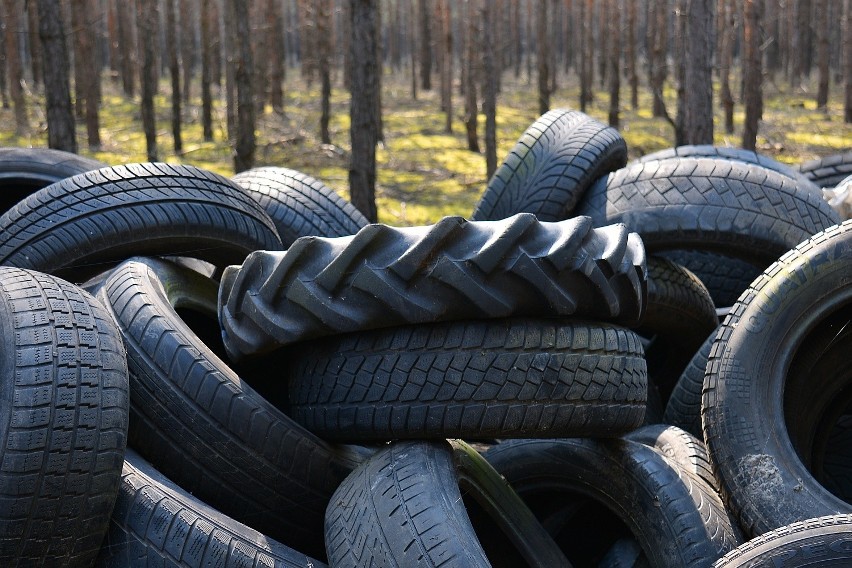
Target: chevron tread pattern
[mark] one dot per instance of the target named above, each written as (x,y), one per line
(828,171)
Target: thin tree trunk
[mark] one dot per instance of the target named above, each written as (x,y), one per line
(260,39)
(695,124)
(753,94)
(127,50)
(245,144)
(276,56)
(412,52)
(15,67)
(57,90)
(489,91)
(632,74)
(4,90)
(36,58)
(81,38)
(146,19)
(207,55)
(517,39)
(614,53)
(727,15)
(227,33)
(588,55)
(188,21)
(847,57)
(658,64)
(425,45)
(472,47)
(363,128)
(174,72)
(446,58)
(323,14)
(543,56)
(822,32)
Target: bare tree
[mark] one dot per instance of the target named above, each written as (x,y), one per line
(36,58)
(822,33)
(57,90)
(630,54)
(695,92)
(727,35)
(364,90)
(425,45)
(657,64)
(15,66)
(207,22)
(446,62)
(4,90)
(470,75)
(147,17)
(276,56)
(613,33)
(753,91)
(543,57)
(323,28)
(127,49)
(245,142)
(174,72)
(847,57)
(489,89)
(188,54)
(587,55)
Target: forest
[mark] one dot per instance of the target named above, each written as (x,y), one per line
(406,106)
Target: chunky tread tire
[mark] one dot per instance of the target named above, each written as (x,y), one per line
(742,210)
(63,420)
(725,277)
(750,399)
(404,507)
(75,227)
(205,427)
(828,171)
(472,380)
(23,171)
(638,485)
(453,270)
(551,166)
(155,523)
(684,407)
(822,541)
(300,205)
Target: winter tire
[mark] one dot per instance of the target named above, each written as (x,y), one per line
(828,171)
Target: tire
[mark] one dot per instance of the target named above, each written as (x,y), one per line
(590,494)
(823,541)
(556,159)
(155,523)
(741,210)
(23,171)
(473,380)
(764,413)
(205,427)
(684,407)
(300,205)
(453,270)
(63,420)
(679,315)
(77,227)
(725,277)
(735,154)
(828,171)
(412,504)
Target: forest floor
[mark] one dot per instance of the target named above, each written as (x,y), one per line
(425,173)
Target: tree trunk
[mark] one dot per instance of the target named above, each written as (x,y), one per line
(728,30)
(206,62)
(323,14)
(245,143)
(517,39)
(425,45)
(847,57)
(446,64)
(614,53)
(81,38)
(188,53)
(276,56)
(632,74)
(127,50)
(695,122)
(658,22)
(364,90)
(14,66)
(543,56)
(412,52)
(822,32)
(753,94)
(147,18)
(469,71)
(489,90)
(4,90)
(259,24)
(587,55)
(57,90)
(174,72)
(36,58)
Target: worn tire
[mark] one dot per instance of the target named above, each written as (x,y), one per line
(407,506)
(684,407)
(577,486)
(205,427)
(63,420)
(725,277)
(80,225)
(155,523)
(741,210)
(473,380)
(551,166)
(453,270)
(828,171)
(300,205)
(23,171)
(763,417)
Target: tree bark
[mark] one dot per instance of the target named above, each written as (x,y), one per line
(323,14)
(207,22)
(695,123)
(614,53)
(632,74)
(245,143)
(276,56)
(847,57)
(147,18)
(587,55)
(470,75)
(4,88)
(188,53)
(753,94)
(822,32)
(127,50)
(727,35)
(412,49)
(446,64)
(425,45)
(364,90)
(489,90)
(36,58)
(174,73)
(543,56)
(658,24)
(14,66)
(57,89)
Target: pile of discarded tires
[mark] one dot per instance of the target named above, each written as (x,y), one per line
(211,372)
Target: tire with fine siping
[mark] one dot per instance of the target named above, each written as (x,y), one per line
(80,225)
(556,159)
(454,270)
(474,380)
(829,170)
(63,420)
(684,407)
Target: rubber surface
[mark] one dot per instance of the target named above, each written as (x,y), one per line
(453,270)
(300,205)
(63,420)
(82,225)
(828,171)
(725,277)
(474,380)
(556,159)
(684,407)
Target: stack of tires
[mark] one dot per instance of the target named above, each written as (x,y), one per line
(212,372)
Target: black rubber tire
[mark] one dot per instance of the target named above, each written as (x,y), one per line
(155,523)
(754,406)
(735,154)
(576,487)
(679,315)
(741,210)
(63,420)
(205,427)
(23,171)
(684,407)
(820,542)
(828,171)
(79,226)
(474,380)
(453,270)
(556,159)
(408,506)
(300,205)
(724,277)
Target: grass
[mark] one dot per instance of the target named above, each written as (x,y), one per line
(425,173)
